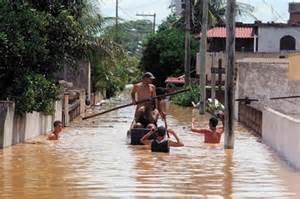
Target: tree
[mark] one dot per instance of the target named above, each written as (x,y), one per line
(216,13)
(163,53)
(36,39)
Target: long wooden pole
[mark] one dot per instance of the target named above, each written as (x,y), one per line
(203,46)
(187,49)
(287,97)
(230,63)
(131,104)
(154,22)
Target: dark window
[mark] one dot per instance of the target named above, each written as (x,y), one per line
(288,43)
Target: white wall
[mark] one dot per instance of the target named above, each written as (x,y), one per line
(266,78)
(282,133)
(8,118)
(269,37)
(18,129)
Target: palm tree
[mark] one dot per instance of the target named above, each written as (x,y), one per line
(216,12)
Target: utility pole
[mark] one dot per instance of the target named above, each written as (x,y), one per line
(149,15)
(117,22)
(154,22)
(229,84)
(187,50)
(203,46)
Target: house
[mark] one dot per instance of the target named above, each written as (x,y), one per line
(277,37)
(246,38)
(261,37)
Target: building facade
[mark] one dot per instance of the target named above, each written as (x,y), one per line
(278,37)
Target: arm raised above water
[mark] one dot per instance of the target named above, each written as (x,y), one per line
(178,143)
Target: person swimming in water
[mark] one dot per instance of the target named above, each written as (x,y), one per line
(57,129)
(212,135)
(161,143)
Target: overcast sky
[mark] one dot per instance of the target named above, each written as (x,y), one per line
(265,10)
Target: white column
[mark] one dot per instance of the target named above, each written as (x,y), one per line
(255,44)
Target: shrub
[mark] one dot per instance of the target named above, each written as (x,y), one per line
(35,93)
(186,99)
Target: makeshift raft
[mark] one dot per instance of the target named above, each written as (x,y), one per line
(134,135)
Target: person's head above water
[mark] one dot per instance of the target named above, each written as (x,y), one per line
(213,122)
(161,132)
(57,126)
(148,77)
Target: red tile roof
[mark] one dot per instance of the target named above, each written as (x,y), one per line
(240,32)
(175,80)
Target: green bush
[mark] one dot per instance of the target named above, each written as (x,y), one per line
(163,54)
(186,99)
(35,93)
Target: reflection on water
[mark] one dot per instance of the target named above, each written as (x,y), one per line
(91,160)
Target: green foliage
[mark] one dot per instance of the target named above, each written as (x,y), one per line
(217,12)
(37,37)
(38,41)
(164,53)
(35,93)
(114,64)
(186,99)
(112,73)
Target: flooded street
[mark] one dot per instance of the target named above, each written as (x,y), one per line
(92,160)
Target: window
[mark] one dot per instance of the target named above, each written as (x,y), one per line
(288,43)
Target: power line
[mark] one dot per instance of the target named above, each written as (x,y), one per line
(274,12)
(126,13)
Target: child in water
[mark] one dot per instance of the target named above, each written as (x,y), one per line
(161,143)
(57,129)
(212,135)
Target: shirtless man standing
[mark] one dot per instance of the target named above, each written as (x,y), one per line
(143,90)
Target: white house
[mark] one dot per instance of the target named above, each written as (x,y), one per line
(278,37)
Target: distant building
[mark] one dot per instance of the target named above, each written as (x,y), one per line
(261,37)
(278,37)
(246,38)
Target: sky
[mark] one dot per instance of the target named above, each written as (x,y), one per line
(265,10)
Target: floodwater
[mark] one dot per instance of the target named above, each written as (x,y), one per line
(92,160)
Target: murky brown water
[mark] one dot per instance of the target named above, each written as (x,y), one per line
(91,160)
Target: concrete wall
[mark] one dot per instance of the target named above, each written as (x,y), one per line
(282,133)
(269,37)
(15,129)
(266,78)
(7,110)
(213,58)
(294,67)
(80,76)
